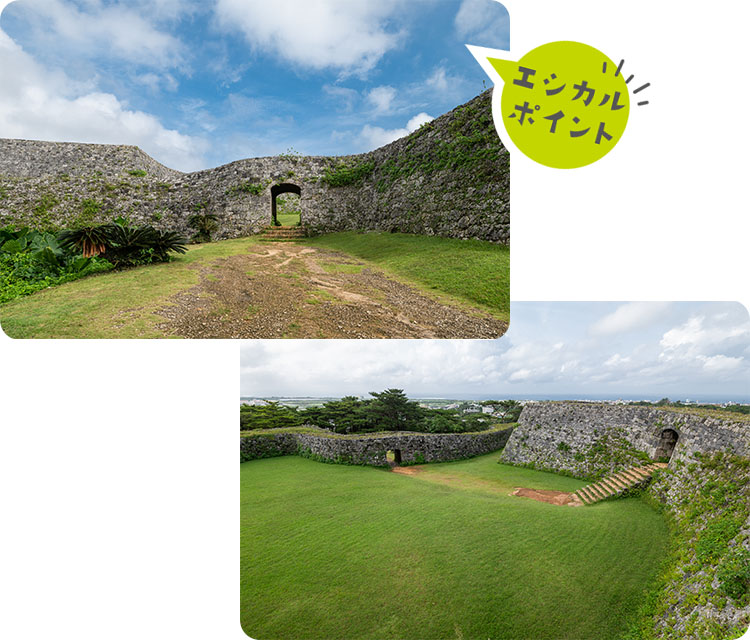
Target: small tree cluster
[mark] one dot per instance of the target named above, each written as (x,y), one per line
(389,410)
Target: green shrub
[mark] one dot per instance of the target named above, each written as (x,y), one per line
(734,576)
(344,174)
(271,415)
(138,173)
(254,188)
(31,261)
(712,541)
(204,224)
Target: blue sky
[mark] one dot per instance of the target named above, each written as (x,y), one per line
(198,84)
(552,349)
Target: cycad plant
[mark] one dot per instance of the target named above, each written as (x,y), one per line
(90,241)
(205,224)
(165,241)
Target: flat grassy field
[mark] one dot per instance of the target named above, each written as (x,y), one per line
(124,304)
(331,551)
(111,305)
(472,270)
(288,219)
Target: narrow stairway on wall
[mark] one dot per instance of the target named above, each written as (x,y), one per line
(617,483)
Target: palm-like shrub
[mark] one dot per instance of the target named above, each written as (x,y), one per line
(164,242)
(127,245)
(90,241)
(204,224)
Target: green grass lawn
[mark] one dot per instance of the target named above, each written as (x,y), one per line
(472,270)
(122,304)
(288,219)
(331,551)
(86,308)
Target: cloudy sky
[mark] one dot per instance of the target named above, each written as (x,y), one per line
(201,83)
(576,350)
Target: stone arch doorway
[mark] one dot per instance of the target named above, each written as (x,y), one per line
(667,441)
(276,191)
(393,456)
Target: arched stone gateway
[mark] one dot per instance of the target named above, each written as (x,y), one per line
(394,457)
(278,190)
(667,441)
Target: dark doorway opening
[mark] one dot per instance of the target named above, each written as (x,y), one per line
(393,457)
(285,210)
(667,442)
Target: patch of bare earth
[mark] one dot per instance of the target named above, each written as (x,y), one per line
(559,498)
(293,291)
(407,471)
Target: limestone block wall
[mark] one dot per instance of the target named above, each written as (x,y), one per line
(371,449)
(449,178)
(588,439)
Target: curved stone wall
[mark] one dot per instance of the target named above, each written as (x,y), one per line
(588,439)
(706,490)
(449,178)
(371,449)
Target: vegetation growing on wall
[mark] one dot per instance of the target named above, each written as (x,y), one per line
(248,186)
(348,173)
(707,577)
(473,146)
(730,411)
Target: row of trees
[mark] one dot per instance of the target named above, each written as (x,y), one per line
(389,410)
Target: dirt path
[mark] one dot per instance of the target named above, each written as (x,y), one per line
(281,290)
(559,498)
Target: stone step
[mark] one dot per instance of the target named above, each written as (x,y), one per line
(612,485)
(638,472)
(632,477)
(598,491)
(617,483)
(622,480)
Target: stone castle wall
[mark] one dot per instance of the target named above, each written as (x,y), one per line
(371,449)
(449,178)
(588,439)
(705,489)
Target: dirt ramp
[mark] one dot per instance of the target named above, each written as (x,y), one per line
(560,498)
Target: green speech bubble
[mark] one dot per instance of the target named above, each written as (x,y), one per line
(565,104)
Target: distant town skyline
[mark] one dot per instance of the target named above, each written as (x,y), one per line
(640,350)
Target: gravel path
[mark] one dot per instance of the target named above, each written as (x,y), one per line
(284,290)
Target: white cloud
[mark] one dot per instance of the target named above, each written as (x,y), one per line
(39,104)
(629,317)
(616,360)
(721,364)
(347,96)
(554,359)
(317,34)
(439,79)
(114,30)
(381,98)
(374,137)
(717,341)
(484,22)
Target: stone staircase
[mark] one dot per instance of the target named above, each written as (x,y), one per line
(283,234)
(617,483)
